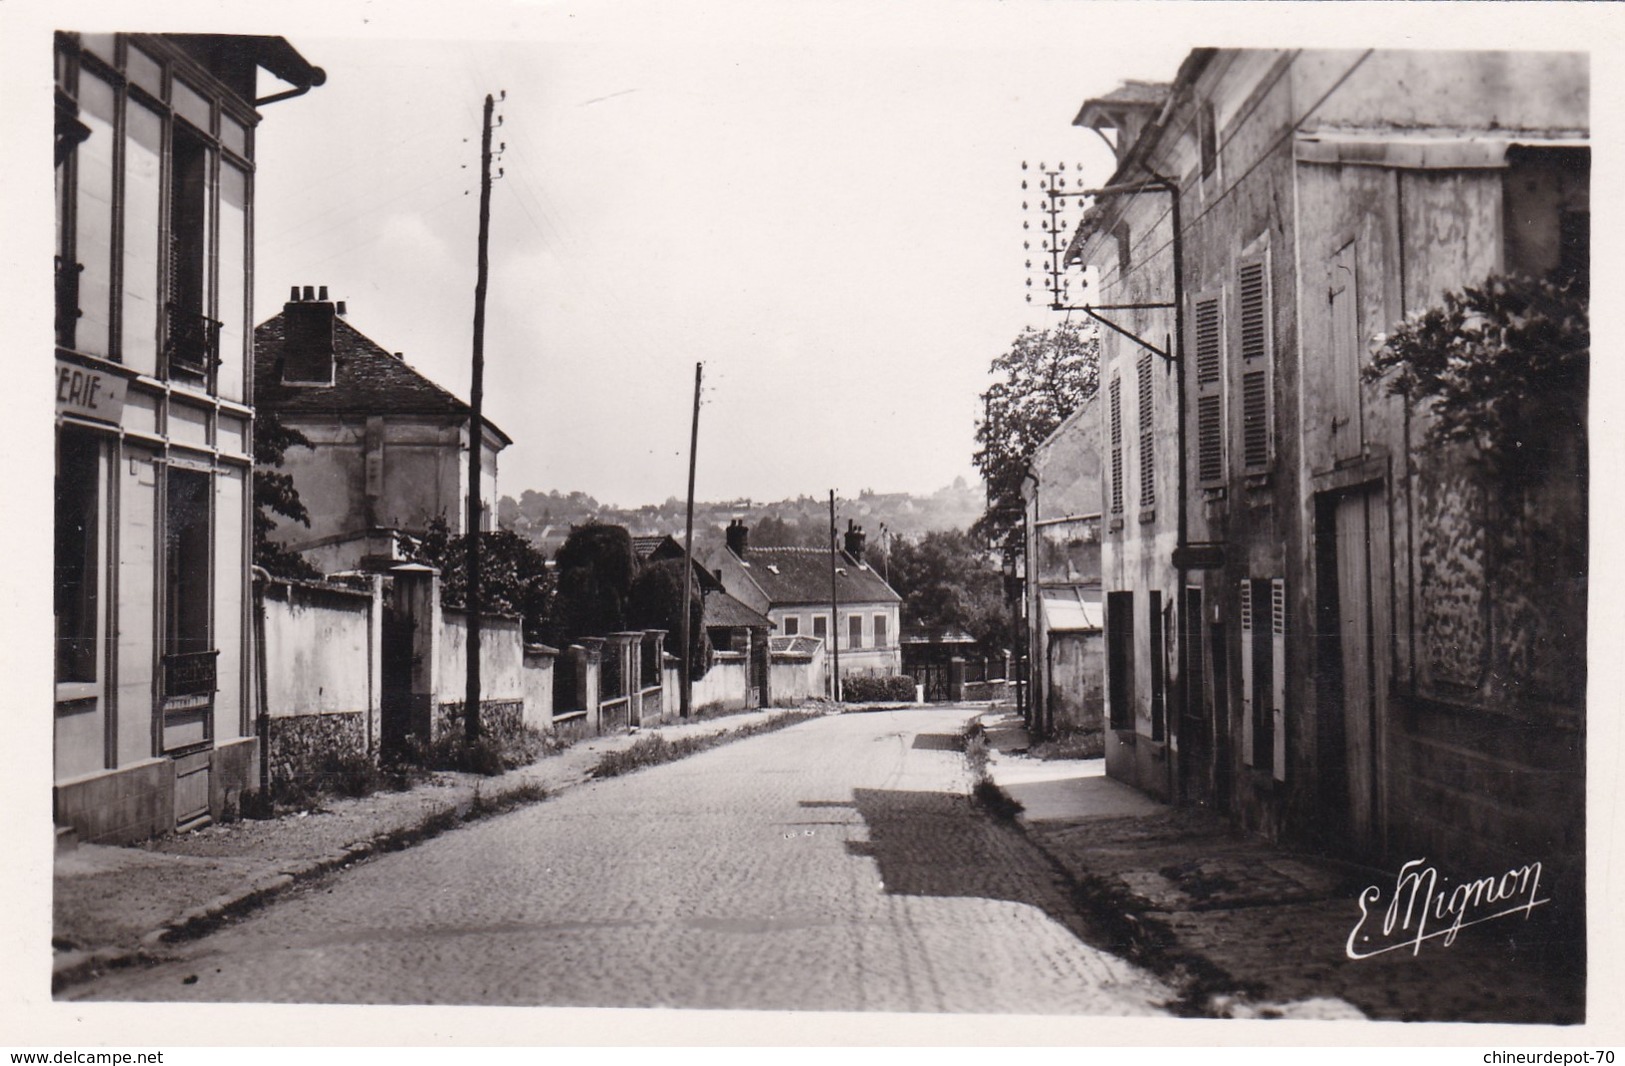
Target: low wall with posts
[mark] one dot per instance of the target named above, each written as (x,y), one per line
(537,680)
(794,678)
(323,680)
(726,686)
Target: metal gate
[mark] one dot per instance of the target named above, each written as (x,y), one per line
(395,663)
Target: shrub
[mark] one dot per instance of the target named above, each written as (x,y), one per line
(897,687)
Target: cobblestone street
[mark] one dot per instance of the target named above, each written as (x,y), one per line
(835,865)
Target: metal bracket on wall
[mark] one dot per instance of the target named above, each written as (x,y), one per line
(1092,310)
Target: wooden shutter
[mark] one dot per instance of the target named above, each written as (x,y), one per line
(1253,313)
(1247,671)
(1209,349)
(1278,671)
(1148,466)
(1117,444)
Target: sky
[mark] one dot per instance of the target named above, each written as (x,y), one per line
(821,204)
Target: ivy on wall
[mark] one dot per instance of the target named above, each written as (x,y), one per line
(1502,365)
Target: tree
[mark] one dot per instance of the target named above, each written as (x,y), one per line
(948,582)
(595,567)
(1043,378)
(655,602)
(274,494)
(513,575)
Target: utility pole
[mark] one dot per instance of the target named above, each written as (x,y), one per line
(476,438)
(834,611)
(687,691)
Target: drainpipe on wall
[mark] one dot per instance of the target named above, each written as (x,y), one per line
(262,723)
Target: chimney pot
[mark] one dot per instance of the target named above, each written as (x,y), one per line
(738,537)
(322,293)
(293,294)
(343,310)
(310,292)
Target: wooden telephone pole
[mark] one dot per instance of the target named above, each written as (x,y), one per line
(476,438)
(686,697)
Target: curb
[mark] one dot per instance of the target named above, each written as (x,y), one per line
(1141,938)
(73,967)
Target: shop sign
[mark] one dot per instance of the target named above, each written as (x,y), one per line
(88,393)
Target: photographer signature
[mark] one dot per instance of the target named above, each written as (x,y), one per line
(1421,907)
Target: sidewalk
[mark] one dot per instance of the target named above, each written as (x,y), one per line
(113,906)
(1249,930)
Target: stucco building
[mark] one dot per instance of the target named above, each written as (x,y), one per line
(792,587)
(154,412)
(1316,618)
(389,447)
(1061,493)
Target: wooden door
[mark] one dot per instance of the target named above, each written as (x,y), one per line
(1363,639)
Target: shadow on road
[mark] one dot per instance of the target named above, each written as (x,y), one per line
(942,844)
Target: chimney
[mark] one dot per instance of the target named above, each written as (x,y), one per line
(855,539)
(307,337)
(738,537)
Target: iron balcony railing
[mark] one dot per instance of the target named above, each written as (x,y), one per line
(67,300)
(190,674)
(194,342)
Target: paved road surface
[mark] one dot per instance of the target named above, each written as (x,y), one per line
(834,865)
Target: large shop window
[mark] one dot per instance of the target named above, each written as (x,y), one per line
(78,577)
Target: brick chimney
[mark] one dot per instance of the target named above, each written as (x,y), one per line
(307,337)
(738,537)
(855,539)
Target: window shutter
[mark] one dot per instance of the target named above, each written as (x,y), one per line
(1247,671)
(1117,445)
(1252,297)
(1148,466)
(1209,347)
(1278,680)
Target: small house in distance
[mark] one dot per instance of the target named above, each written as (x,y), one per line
(388,446)
(792,586)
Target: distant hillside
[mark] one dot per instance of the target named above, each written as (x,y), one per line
(546,518)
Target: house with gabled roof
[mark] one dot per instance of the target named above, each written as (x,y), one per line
(389,447)
(792,587)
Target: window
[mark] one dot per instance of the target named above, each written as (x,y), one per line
(189,656)
(84,181)
(1148,465)
(1125,248)
(792,625)
(880,632)
(1208,344)
(1116,418)
(1253,314)
(854,630)
(1120,658)
(78,573)
(820,626)
(1208,134)
(192,334)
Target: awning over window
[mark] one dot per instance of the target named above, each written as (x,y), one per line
(1071,609)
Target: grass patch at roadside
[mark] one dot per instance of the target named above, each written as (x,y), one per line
(988,795)
(655,749)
